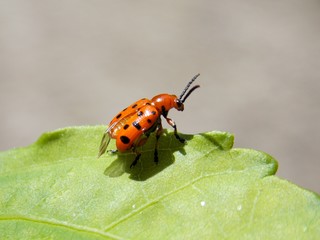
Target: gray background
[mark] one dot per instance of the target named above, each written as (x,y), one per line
(66,63)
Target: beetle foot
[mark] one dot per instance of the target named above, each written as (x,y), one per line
(156,158)
(112,151)
(182,140)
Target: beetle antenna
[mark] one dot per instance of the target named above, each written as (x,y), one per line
(186,88)
(190,91)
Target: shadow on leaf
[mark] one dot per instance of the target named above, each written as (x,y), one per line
(146,167)
(223,140)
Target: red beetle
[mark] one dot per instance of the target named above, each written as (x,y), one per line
(134,124)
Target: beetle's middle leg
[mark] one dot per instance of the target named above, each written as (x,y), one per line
(158,134)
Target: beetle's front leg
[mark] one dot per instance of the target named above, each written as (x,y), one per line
(173,124)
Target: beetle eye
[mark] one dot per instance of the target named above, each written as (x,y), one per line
(180,106)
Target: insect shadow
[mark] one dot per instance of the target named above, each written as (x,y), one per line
(146,167)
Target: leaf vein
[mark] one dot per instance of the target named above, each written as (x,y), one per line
(57,223)
(155,200)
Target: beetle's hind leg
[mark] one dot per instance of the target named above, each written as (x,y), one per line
(112,151)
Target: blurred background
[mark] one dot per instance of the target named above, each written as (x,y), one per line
(66,63)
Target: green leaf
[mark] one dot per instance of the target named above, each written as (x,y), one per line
(56,188)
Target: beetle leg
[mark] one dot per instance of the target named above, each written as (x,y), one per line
(158,134)
(173,124)
(140,141)
(112,151)
(135,161)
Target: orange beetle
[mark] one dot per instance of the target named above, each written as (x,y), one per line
(134,124)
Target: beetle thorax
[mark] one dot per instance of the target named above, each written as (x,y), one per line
(164,102)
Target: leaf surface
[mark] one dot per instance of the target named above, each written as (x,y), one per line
(57,188)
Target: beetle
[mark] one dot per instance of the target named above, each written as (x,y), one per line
(132,126)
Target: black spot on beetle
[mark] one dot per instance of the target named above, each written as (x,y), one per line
(125,126)
(124,139)
(136,125)
(135,105)
(124,109)
(140,113)
(154,112)
(118,116)
(148,103)
(149,120)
